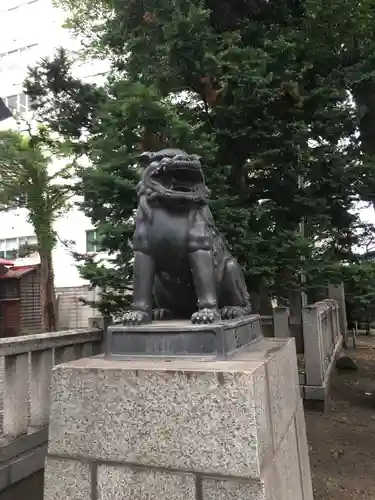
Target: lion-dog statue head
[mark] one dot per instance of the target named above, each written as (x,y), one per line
(173,175)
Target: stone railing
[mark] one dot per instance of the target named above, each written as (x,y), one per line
(322,340)
(27,364)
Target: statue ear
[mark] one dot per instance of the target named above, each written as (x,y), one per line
(145,158)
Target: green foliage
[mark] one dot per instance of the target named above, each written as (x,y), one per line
(359,282)
(25,182)
(261,89)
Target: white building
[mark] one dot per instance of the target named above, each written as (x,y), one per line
(22,43)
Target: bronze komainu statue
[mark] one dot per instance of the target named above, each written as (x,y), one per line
(182,265)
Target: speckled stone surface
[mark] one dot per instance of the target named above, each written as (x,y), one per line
(183,429)
(202,421)
(287,468)
(284,390)
(303,453)
(123,483)
(263,415)
(66,480)
(219,489)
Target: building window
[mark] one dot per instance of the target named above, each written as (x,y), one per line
(14,248)
(11,102)
(18,103)
(93,241)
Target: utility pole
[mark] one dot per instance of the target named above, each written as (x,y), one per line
(302,232)
(298,298)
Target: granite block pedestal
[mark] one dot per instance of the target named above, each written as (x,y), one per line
(181,429)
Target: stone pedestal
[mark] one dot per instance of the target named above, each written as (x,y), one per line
(182,338)
(183,429)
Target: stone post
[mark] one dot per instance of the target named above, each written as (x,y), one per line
(16,388)
(335,312)
(101,322)
(281,322)
(297,301)
(337,292)
(180,430)
(41,374)
(314,350)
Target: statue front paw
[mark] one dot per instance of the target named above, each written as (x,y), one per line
(205,316)
(136,318)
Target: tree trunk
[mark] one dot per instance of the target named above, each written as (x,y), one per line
(47,292)
(364,96)
(261,299)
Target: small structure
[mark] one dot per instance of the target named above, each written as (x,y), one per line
(4,265)
(20,309)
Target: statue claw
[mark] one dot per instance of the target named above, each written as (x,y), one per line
(232,312)
(205,316)
(136,318)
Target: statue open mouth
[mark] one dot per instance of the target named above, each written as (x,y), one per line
(179,178)
(173,176)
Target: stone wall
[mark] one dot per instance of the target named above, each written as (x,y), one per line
(322,341)
(25,378)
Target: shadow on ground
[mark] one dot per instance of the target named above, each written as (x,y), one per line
(342,442)
(27,489)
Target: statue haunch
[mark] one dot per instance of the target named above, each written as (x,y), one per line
(181,263)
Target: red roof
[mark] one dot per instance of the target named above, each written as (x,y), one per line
(5,262)
(17,272)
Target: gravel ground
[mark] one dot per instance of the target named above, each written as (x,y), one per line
(342,441)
